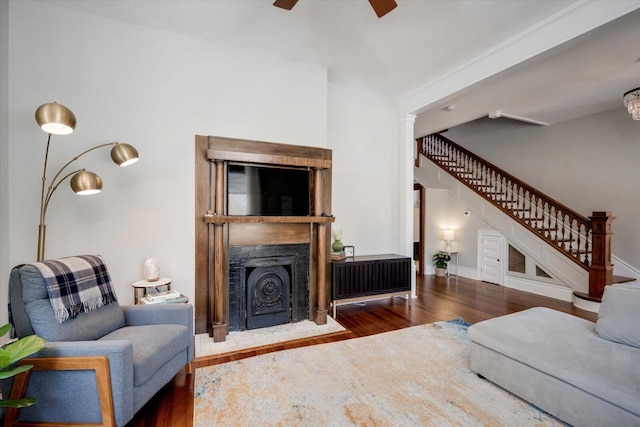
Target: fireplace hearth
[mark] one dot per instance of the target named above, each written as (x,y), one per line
(268,285)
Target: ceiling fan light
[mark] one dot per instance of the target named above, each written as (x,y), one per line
(55,119)
(85,183)
(632,102)
(124,154)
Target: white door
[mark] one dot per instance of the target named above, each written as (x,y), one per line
(489,256)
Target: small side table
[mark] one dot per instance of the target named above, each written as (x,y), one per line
(141,287)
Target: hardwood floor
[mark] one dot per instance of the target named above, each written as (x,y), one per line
(438,299)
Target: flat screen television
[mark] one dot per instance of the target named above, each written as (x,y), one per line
(268,191)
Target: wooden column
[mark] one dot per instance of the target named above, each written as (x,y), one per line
(204,203)
(219,327)
(320,310)
(601,269)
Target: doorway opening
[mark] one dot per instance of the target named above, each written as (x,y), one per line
(418,227)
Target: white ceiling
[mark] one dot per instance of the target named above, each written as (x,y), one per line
(586,75)
(416,44)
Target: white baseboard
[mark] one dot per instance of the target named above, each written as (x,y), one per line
(559,292)
(469,273)
(586,304)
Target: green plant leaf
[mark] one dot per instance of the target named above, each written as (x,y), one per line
(17,403)
(20,349)
(5,329)
(4,374)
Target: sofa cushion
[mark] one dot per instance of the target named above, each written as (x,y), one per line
(86,326)
(153,346)
(567,348)
(619,315)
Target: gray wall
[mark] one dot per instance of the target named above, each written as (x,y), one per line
(589,164)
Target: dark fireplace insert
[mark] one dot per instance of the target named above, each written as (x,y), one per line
(268,285)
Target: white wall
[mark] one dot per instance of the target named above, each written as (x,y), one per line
(363,134)
(589,164)
(157,90)
(4,155)
(436,219)
(152,89)
(442,211)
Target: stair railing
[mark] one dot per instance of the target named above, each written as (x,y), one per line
(561,227)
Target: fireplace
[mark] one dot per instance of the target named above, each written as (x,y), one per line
(256,269)
(268,285)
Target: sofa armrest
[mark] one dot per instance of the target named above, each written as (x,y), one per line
(98,364)
(120,354)
(113,349)
(159,314)
(68,384)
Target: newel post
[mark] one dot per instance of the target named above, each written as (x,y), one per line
(601,269)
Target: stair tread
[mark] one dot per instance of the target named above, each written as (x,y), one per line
(587,297)
(616,280)
(622,279)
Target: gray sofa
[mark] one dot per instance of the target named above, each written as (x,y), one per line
(145,345)
(584,373)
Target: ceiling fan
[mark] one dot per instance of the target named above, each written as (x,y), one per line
(381,7)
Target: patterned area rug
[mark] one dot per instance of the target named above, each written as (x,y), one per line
(411,377)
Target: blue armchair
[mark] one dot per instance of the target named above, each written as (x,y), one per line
(103,365)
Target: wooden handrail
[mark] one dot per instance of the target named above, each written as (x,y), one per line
(511,177)
(566,230)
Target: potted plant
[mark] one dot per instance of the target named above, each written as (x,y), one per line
(440,261)
(10,355)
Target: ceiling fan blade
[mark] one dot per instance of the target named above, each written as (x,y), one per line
(382,7)
(285,4)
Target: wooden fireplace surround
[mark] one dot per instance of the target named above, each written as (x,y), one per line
(215,231)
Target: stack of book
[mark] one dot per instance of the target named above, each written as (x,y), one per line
(166,297)
(338,256)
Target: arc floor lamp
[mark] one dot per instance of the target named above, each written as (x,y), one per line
(56,119)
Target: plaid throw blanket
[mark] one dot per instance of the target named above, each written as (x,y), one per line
(76,285)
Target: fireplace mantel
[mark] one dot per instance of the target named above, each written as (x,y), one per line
(212,218)
(216,231)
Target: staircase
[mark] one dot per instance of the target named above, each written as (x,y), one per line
(585,241)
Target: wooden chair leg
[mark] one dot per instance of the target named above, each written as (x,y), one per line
(188,369)
(99,364)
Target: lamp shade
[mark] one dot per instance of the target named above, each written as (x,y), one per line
(55,119)
(124,154)
(86,183)
(447,235)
